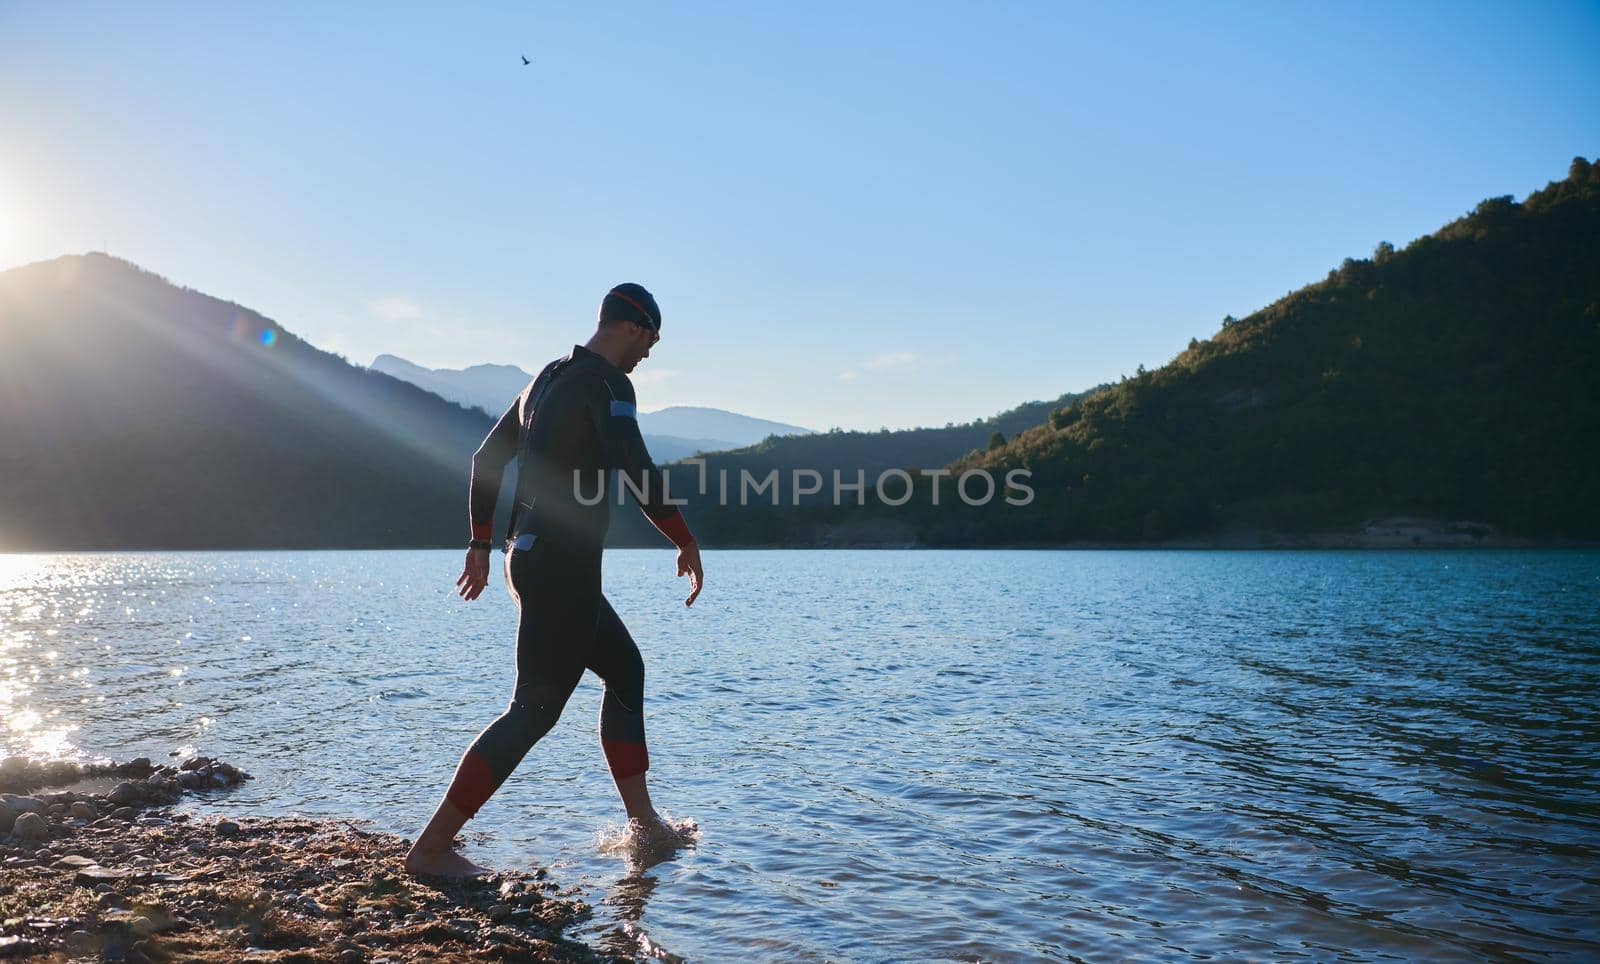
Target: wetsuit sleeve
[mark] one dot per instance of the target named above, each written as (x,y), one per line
(489,467)
(616,417)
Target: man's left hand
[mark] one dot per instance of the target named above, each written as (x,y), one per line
(689,562)
(474,575)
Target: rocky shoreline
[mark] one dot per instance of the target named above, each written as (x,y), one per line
(96,864)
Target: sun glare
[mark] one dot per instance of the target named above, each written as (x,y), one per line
(18,570)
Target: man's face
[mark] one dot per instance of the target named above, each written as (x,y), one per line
(644,340)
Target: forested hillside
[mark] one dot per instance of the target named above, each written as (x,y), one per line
(1454,379)
(134,413)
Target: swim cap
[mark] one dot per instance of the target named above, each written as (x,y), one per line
(630,302)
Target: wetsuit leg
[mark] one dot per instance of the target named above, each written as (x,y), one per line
(616,660)
(558,593)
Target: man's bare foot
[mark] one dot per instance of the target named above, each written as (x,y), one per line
(656,834)
(443,863)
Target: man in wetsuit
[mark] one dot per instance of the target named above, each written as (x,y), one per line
(573,424)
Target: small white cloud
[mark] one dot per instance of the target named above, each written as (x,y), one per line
(893,359)
(396,308)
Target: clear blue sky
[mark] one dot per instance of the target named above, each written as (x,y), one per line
(854,214)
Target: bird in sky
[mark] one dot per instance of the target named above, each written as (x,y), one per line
(526,61)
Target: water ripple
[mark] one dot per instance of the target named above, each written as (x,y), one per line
(949,755)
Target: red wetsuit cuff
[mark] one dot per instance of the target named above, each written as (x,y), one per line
(675,528)
(482,530)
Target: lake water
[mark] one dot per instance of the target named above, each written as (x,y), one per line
(912,755)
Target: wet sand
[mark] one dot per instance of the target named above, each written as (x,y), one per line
(94,863)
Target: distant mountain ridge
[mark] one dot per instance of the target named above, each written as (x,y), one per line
(1457,378)
(489,387)
(697,421)
(135,413)
(873,452)
(670,433)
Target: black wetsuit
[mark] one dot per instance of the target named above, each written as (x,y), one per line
(578,416)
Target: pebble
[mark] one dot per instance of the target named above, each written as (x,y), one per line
(124,813)
(62,771)
(85,810)
(17,946)
(98,877)
(31,826)
(163,878)
(123,792)
(227,828)
(195,763)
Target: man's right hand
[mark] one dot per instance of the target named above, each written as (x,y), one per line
(474,575)
(689,562)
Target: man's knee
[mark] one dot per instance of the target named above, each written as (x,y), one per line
(536,708)
(627,693)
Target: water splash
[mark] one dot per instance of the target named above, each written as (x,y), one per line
(632,841)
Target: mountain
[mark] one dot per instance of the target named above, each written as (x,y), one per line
(489,387)
(849,452)
(134,413)
(670,433)
(670,448)
(138,414)
(691,422)
(1456,380)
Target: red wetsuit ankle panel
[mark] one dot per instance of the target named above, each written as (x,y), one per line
(625,759)
(473,784)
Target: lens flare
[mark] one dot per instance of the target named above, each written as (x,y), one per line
(269,337)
